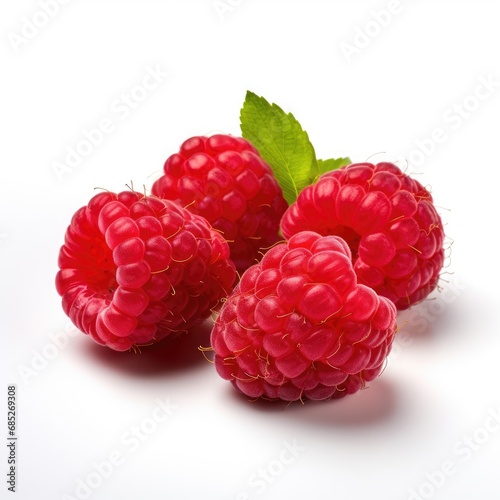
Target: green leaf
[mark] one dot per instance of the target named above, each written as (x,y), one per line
(282,142)
(332,164)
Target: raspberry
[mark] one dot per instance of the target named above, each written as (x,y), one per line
(224,179)
(389,222)
(135,269)
(299,325)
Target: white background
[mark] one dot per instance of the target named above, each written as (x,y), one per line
(432,405)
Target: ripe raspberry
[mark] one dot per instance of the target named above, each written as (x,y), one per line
(135,269)
(389,222)
(298,325)
(224,179)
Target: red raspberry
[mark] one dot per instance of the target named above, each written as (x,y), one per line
(224,179)
(298,325)
(389,222)
(135,269)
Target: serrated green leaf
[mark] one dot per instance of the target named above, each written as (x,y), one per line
(282,143)
(332,164)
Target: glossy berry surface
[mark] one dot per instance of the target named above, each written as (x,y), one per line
(224,179)
(136,269)
(298,325)
(389,222)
